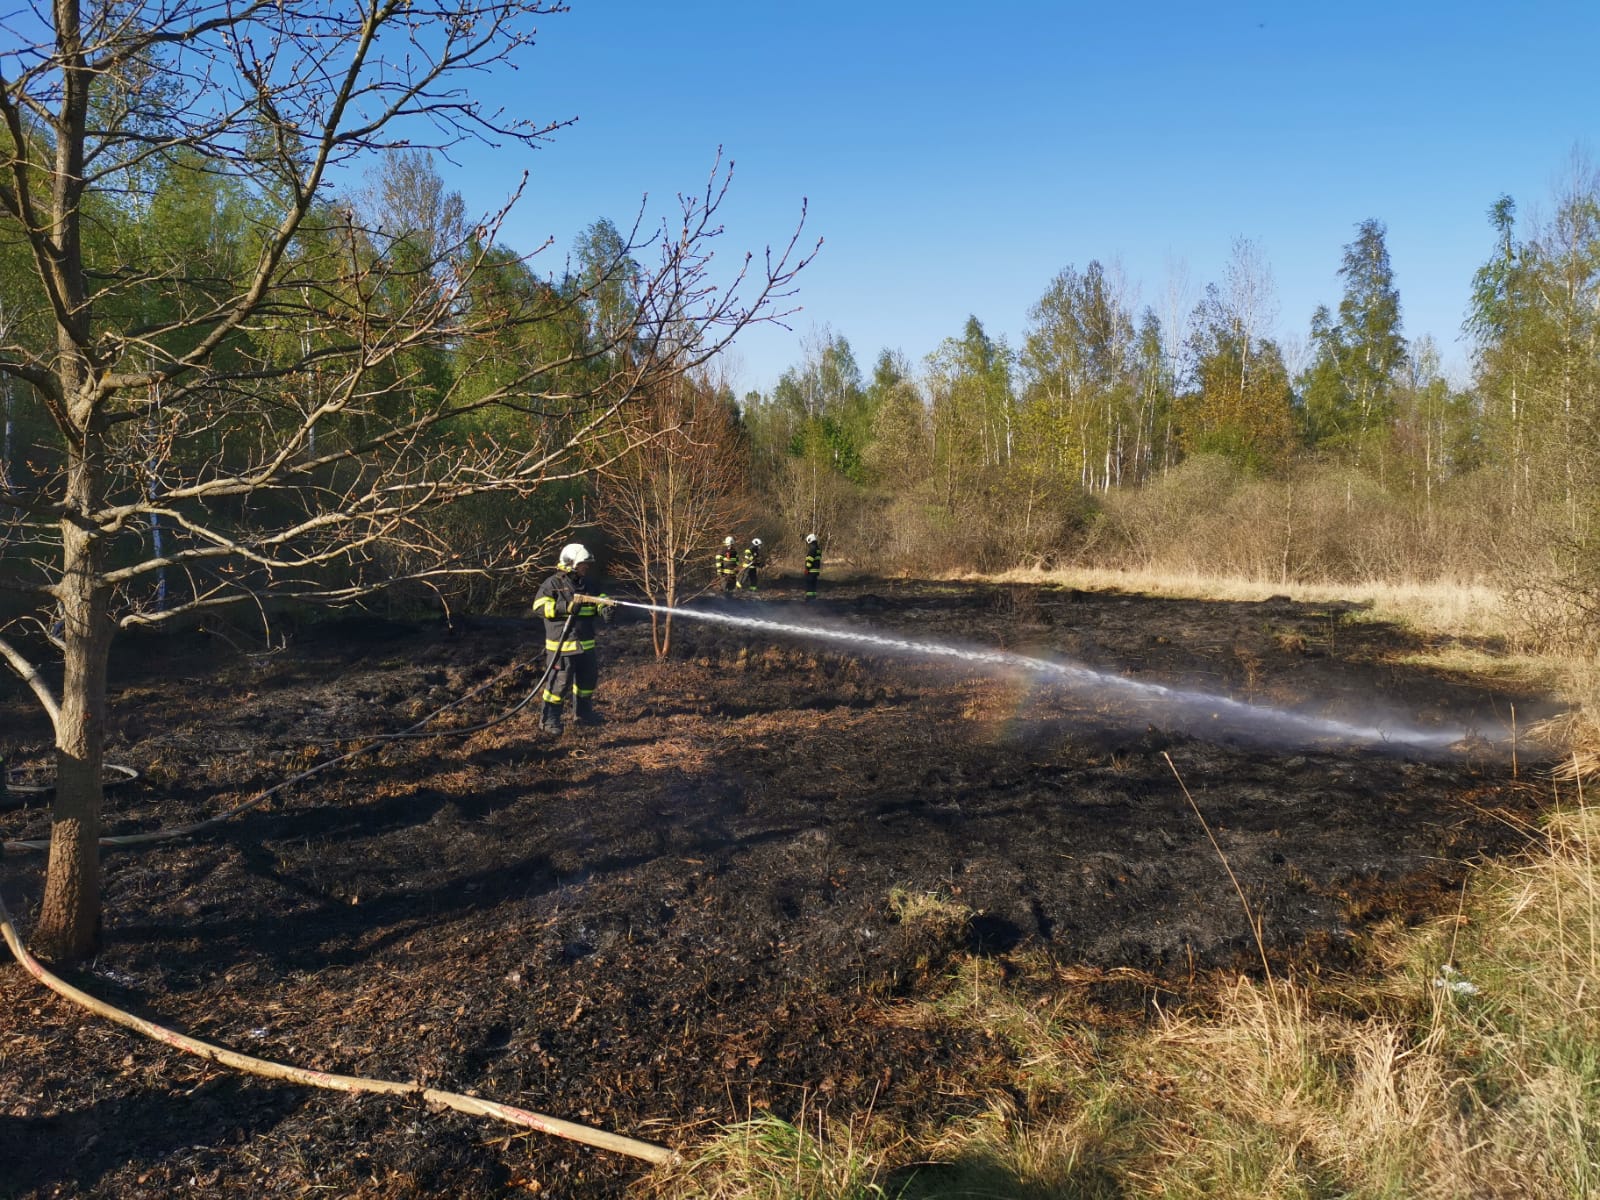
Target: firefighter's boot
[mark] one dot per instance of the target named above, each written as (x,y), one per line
(587,714)
(550,722)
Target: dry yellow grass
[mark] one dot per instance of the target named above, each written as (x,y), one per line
(1459,609)
(911,906)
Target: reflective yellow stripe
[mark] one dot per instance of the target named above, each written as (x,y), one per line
(584,692)
(552,698)
(567,647)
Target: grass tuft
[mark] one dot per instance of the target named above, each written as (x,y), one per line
(909,907)
(768,1158)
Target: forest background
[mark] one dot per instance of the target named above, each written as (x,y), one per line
(1108,438)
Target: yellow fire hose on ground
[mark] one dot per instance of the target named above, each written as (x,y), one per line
(340,1083)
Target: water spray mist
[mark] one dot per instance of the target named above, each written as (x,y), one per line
(1270,721)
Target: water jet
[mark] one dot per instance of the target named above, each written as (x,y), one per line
(1173,702)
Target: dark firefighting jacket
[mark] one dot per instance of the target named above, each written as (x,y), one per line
(554,601)
(814,559)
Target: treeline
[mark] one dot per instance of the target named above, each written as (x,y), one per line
(1110,436)
(394,270)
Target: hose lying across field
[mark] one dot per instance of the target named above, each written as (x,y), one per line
(120,775)
(322,1079)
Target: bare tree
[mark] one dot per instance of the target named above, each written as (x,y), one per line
(288,392)
(668,498)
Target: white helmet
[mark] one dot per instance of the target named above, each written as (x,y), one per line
(728,541)
(811,537)
(755,541)
(574,553)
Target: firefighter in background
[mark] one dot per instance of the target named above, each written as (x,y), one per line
(570,660)
(750,564)
(813,566)
(727,564)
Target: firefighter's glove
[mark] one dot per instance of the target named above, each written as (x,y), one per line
(607,606)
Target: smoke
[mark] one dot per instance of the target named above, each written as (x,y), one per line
(1177,705)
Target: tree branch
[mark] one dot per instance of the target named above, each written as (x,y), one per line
(30,676)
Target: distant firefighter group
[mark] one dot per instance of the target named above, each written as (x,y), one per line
(741,570)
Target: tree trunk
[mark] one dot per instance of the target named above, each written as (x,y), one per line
(69,922)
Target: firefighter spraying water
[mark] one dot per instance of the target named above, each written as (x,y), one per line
(569,639)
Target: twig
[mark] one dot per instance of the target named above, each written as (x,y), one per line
(1255,922)
(1461,904)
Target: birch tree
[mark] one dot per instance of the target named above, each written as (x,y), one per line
(1239,399)
(668,498)
(1536,321)
(815,428)
(1081,359)
(1349,390)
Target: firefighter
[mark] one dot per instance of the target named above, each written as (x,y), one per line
(813,566)
(727,564)
(750,564)
(570,660)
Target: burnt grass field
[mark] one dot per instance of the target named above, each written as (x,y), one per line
(683,918)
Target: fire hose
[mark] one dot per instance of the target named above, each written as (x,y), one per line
(471,1105)
(119,775)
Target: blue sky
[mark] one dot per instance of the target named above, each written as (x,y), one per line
(955,157)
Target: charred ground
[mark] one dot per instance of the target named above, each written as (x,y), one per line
(684,917)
